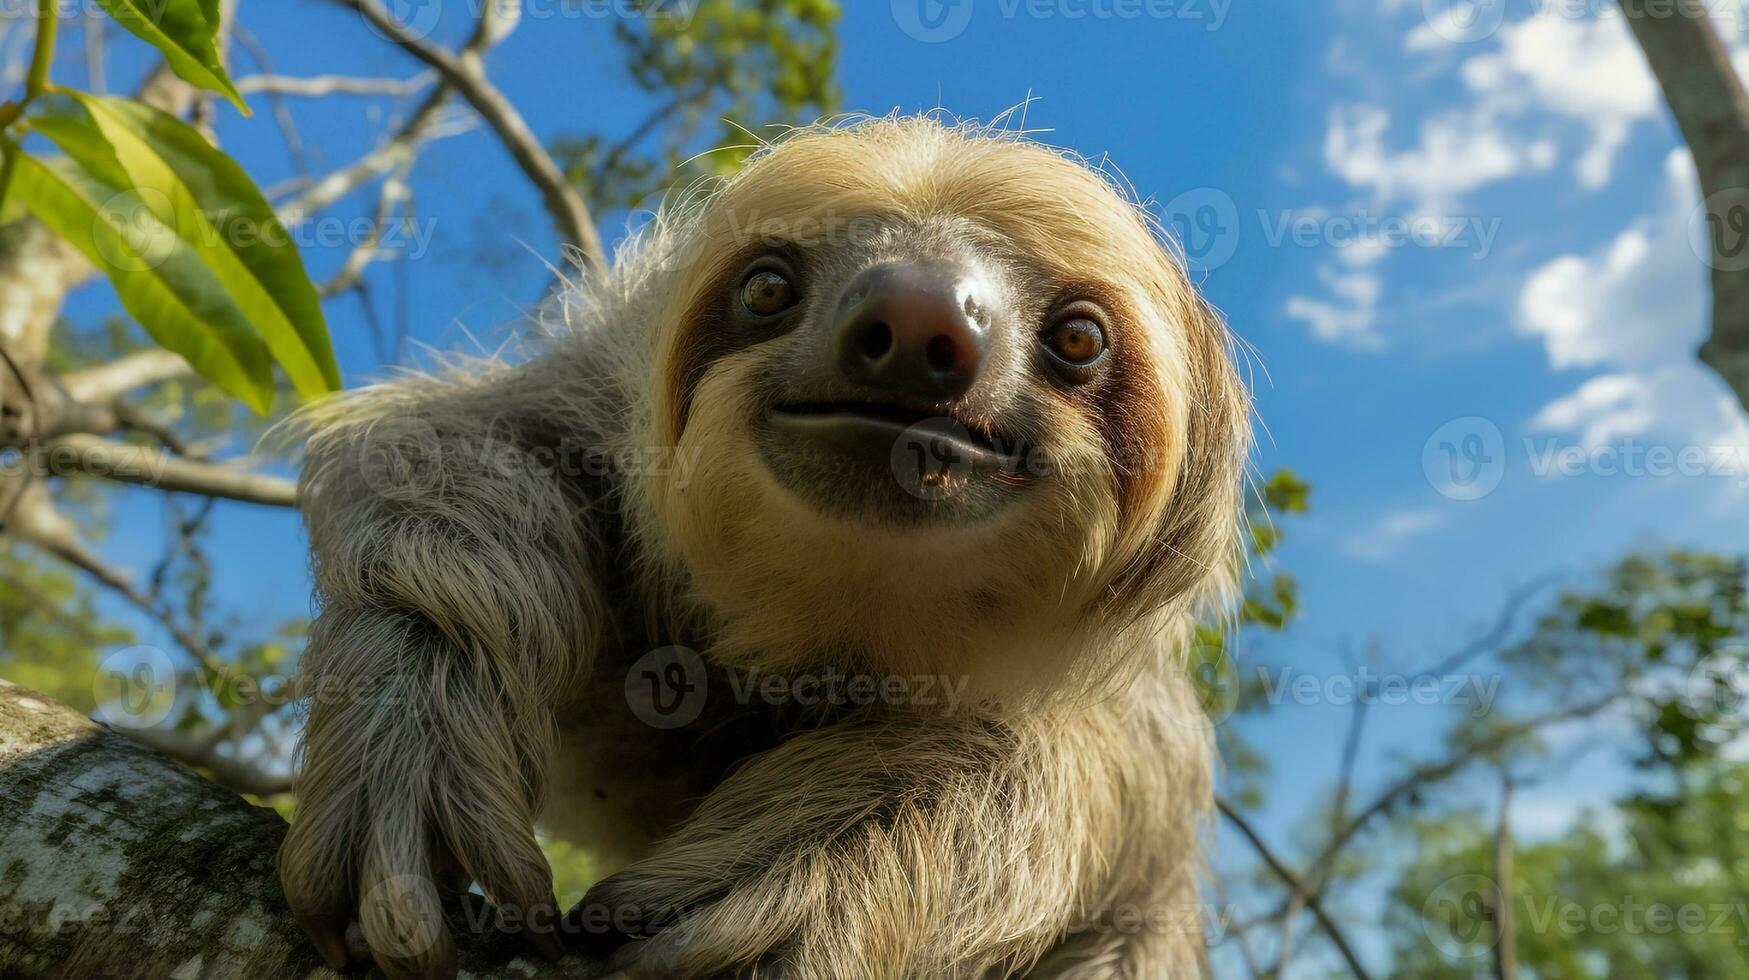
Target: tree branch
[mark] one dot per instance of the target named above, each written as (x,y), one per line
(465,73)
(324,85)
(1710,105)
(425,124)
(123,863)
(198,752)
(1297,886)
(106,382)
(125,463)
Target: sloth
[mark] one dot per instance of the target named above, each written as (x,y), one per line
(900,400)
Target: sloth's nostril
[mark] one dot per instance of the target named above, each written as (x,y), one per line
(918,331)
(942,352)
(876,341)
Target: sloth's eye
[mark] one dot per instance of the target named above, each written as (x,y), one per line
(1077,340)
(767,293)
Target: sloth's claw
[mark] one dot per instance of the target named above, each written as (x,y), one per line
(328,934)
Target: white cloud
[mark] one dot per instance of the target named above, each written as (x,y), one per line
(1386,537)
(1457,152)
(1640,300)
(1587,70)
(1352,317)
(1637,307)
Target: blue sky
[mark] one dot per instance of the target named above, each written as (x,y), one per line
(1410,220)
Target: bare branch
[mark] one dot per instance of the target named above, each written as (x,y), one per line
(1496,634)
(111,380)
(143,466)
(426,123)
(43,528)
(1297,886)
(390,196)
(324,85)
(465,73)
(195,751)
(1708,100)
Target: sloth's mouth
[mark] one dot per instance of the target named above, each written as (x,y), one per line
(897,432)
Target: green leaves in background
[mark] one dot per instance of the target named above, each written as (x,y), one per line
(184,30)
(192,248)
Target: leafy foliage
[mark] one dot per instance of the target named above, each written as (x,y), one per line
(191,247)
(1671,633)
(718,76)
(1658,897)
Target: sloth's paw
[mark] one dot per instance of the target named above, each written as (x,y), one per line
(679,926)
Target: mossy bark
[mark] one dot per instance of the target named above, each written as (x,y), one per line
(116,861)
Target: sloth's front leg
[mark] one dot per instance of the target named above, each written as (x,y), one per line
(884,847)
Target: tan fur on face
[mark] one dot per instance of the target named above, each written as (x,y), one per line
(1142,521)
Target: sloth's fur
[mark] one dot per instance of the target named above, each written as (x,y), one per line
(479,614)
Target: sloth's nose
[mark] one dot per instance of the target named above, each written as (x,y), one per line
(915,329)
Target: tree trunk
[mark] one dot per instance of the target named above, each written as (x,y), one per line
(1707,99)
(117,861)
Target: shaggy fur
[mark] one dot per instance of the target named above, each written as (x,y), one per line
(480,611)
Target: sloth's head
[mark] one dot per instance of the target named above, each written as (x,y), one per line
(950,404)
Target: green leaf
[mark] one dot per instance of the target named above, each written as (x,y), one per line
(213,208)
(160,280)
(184,31)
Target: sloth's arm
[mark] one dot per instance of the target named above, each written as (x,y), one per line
(907,849)
(454,577)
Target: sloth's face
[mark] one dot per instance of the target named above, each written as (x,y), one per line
(946,394)
(910,372)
